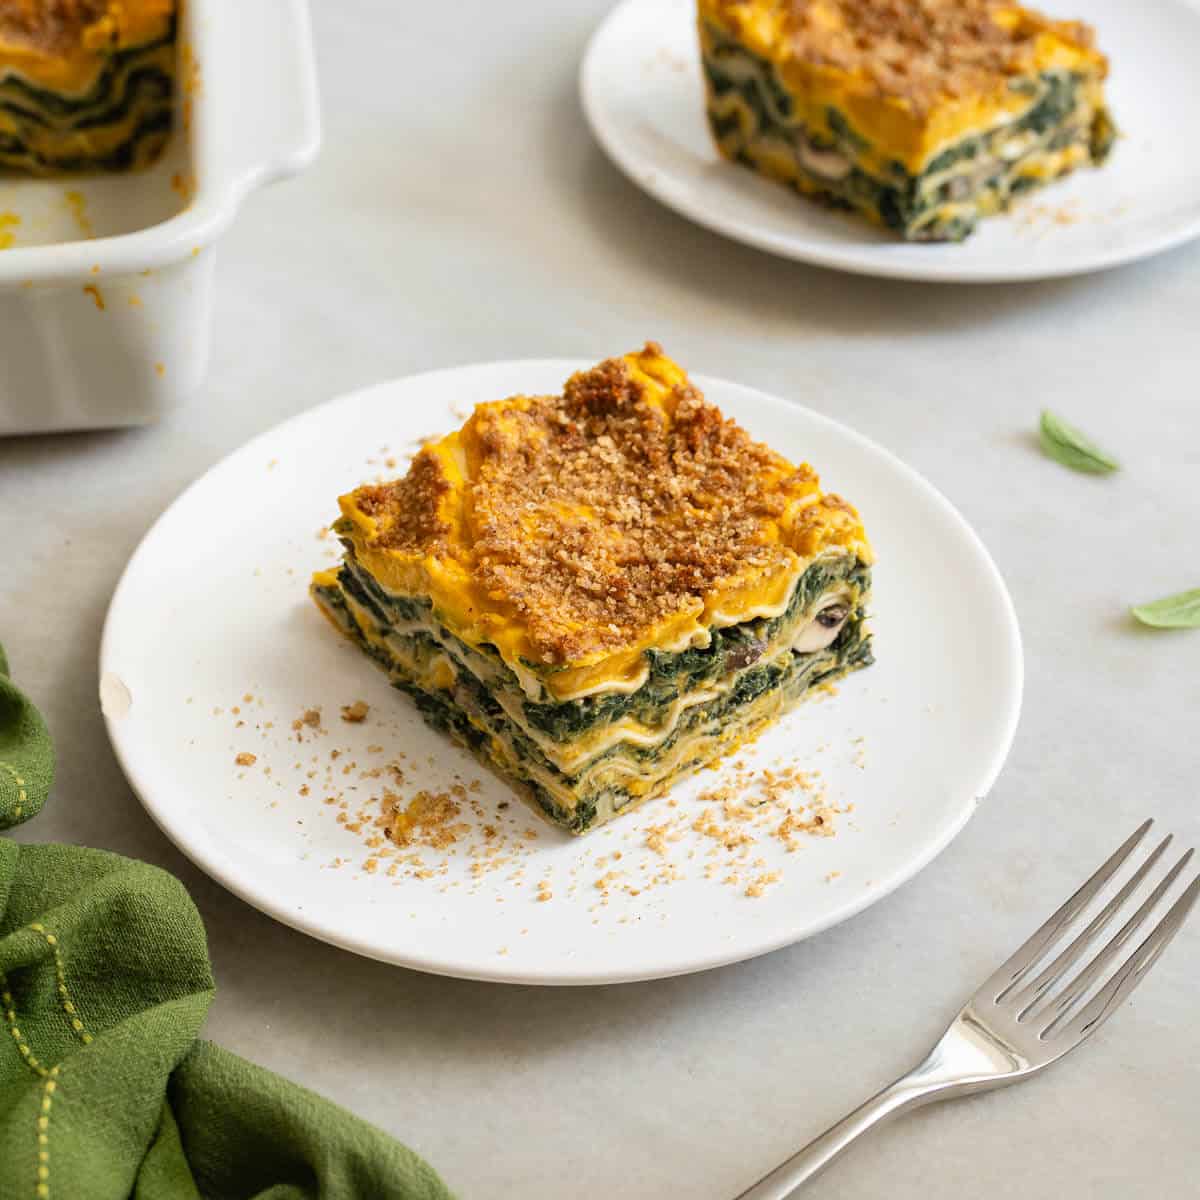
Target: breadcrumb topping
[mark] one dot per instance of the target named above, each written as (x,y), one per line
(49,25)
(590,518)
(921,51)
(413,503)
(58,27)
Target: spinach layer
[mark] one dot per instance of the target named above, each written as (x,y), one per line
(731,649)
(671,673)
(126,84)
(903,201)
(793,673)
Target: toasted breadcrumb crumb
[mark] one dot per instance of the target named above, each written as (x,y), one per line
(429,818)
(759,885)
(417,834)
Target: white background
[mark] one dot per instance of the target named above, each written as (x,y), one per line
(461,212)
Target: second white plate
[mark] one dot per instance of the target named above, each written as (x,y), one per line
(644,97)
(213,655)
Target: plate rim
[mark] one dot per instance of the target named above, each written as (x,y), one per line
(833,258)
(224,871)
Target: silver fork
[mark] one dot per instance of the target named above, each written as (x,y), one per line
(1014,1026)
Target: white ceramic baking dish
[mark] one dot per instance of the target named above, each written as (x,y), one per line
(106,291)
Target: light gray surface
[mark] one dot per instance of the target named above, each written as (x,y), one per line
(460,212)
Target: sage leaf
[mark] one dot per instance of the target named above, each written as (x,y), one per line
(1171,612)
(1065,444)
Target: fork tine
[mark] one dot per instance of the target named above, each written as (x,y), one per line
(1136,968)
(1031,995)
(1015,968)
(1064,1002)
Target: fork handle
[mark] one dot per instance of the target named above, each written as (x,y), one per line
(912,1090)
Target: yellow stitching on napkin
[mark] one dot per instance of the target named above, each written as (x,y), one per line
(22,794)
(43,1124)
(10,1015)
(49,1083)
(64,995)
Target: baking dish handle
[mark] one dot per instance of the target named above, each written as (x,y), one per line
(269,126)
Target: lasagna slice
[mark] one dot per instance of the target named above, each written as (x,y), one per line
(602,591)
(924,117)
(85,84)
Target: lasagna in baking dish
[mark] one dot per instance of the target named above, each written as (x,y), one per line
(923,115)
(602,591)
(85,84)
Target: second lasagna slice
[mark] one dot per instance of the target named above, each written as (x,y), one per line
(602,591)
(922,117)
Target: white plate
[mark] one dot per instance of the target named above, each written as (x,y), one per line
(644,98)
(212,607)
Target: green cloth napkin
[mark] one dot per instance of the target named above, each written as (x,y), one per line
(26,754)
(105,1092)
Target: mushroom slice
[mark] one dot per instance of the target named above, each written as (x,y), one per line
(821,632)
